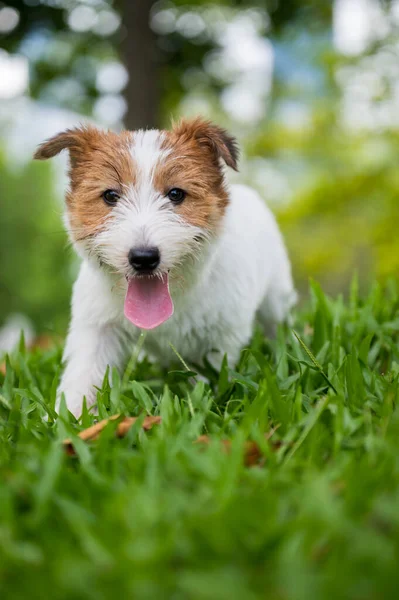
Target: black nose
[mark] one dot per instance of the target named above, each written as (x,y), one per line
(144,259)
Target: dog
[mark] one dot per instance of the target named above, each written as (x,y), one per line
(167,247)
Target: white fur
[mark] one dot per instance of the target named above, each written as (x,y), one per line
(247,271)
(147,151)
(218,285)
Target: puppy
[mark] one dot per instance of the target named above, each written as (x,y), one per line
(167,247)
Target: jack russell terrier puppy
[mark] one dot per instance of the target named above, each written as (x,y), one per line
(167,247)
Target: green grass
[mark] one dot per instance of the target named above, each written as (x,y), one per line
(155,516)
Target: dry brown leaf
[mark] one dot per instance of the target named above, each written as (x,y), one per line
(252,452)
(93,432)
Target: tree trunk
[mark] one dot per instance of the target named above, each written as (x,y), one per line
(140,53)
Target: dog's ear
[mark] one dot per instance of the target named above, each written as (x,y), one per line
(75,140)
(211,136)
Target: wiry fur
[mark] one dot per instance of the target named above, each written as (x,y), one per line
(222,248)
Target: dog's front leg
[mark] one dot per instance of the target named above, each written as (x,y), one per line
(88,352)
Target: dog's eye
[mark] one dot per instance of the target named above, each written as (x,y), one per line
(110,197)
(176,195)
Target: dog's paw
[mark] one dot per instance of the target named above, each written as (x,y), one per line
(73,400)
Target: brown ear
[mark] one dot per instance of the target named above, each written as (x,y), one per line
(218,140)
(74,140)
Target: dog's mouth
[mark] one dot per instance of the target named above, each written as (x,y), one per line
(148,302)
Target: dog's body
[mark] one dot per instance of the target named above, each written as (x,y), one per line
(221,257)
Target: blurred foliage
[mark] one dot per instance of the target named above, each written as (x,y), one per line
(58,55)
(343,219)
(35,270)
(72,56)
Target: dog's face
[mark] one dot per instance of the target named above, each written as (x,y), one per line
(145,190)
(143,202)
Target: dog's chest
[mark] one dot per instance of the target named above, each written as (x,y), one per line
(191,334)
(196,327)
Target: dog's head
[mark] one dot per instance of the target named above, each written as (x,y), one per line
(142,203)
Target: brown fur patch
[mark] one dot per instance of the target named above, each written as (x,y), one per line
(193,165)
(211,137)
(105,164)
(99,161)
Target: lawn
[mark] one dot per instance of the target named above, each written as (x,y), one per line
(156,515)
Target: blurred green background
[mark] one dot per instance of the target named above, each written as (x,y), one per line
(310,88)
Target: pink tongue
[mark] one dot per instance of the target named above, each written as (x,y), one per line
(148,302)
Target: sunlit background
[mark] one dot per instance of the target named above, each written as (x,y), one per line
(310,88)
